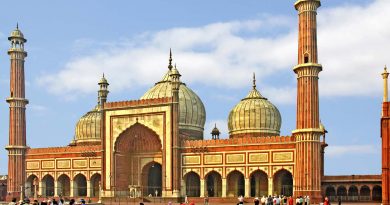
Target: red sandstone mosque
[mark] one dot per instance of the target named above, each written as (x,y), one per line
(154,147)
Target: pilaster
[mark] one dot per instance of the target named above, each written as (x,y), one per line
(247,187)
(224,184)
(270,186)
(202,187)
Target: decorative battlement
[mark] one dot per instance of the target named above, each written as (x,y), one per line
(134,103)
(67,149)
(238,141)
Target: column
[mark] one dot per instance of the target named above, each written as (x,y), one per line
(270,186)
(41,189)
(183,188)
(247,187)
(224,187)
(56,188)
(89,190)
(71,188)
(201,187)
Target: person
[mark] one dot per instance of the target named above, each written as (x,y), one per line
(156,192)
(307,202)
(35,202)
(297,200)
(269,200)
(186,199)
(169,203)
(61,202)
(82,202)
(71,202)
(13,202)
(256,201)
(262,200)
(206,200)
(290,200)
(339,200)
(241,199)
(326,201)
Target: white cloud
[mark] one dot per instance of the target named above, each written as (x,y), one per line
(352,49)
(342,150)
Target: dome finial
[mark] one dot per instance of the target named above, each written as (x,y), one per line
(170,59)
(254,80)
(17,25)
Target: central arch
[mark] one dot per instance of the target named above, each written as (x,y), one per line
(152,179)
(283,183)
(138,139)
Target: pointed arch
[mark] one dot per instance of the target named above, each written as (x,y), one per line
(235,184)
(31,185)
(63,185)
(48,185)
(192,181)
(80,185)
(283,182)
(152,179)
(95,184)
(258,183)
(214,184)
(138,138)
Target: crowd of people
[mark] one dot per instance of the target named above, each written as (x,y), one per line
(53,201)
(279,200)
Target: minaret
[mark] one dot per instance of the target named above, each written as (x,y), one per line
(17,117)
(176,158)
(385,135)
(307,175)
(103,91)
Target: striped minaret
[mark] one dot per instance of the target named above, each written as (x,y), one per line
(17,117)
(385,135)
(307,175)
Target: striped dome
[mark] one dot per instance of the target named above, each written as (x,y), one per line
(254,116)
(192,111)
(88,128)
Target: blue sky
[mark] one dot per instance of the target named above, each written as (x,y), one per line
(217,45)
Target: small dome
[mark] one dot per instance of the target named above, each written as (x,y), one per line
(16,34)
(192,111)
(254,116)
(88,128)
(215,131)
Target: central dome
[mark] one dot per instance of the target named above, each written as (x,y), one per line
(254,116)
(191,108)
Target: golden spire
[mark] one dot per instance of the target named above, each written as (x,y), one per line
(17,25)
(385,75)
(170,60)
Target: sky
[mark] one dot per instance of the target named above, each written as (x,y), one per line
(217,45)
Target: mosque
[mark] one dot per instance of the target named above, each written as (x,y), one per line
(154,147)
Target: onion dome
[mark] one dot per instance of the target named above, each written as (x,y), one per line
(254,116)
(17,34)
(88,127)
(191,109)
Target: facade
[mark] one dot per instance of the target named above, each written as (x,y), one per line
(154,146)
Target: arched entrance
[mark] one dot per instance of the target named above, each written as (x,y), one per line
(342,193)
(31,186)
(152,179)
(283,183)
(235,184)
(330,192)
(353,193)
(259,184)
(136,141)
(48,185)
(377,193)
(80,185)
(63,183)
(214,184)
(95,182)
(365,193)
(192,180)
